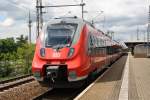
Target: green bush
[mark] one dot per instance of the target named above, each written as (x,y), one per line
(15,56)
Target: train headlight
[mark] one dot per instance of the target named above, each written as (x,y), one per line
(72,75)
(42,52)
(37,74)
(71,51)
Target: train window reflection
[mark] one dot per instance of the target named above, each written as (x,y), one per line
(60,34)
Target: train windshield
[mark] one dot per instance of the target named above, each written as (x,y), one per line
(60,35)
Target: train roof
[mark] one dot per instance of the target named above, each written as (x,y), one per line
(66,20)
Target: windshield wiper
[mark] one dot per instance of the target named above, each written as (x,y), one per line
(59,46)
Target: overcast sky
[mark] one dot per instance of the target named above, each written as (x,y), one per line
(121,16)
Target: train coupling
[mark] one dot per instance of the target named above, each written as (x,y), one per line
(52,76)
(52,73)
(56,73)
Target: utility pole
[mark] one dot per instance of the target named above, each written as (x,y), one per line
(82,5)
(39,16)
(144,37)
(30,25)
(137,33)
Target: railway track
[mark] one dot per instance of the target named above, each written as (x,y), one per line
(59,94)
(14,82)
(16,78)
(64,94)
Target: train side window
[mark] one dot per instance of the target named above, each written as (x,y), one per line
(96,40)
(89,44)
(100,42)
(91,48)
(89,41)
(92,41)
(93,45)
(96,50)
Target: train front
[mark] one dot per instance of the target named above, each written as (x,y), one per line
(58,54)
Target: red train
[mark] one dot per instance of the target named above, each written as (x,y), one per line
(69,50)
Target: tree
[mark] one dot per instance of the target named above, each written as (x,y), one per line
(7,45)
(22,40)
(15,57)
(8,48)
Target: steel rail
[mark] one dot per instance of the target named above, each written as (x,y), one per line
(16,83)
(14,79)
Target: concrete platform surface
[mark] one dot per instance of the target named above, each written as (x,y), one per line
(139,78)
(108,87)
(135,85)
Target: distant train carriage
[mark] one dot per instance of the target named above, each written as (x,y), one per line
(142,50)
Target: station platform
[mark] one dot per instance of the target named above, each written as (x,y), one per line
(127,79)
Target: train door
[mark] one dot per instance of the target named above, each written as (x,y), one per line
(91,48)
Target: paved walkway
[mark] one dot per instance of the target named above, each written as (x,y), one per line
(108,87)
(139,78)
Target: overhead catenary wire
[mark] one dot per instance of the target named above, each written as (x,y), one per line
(39,12)
(23,8)
(75,1)
(16,5)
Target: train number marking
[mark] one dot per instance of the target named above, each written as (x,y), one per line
(56,54)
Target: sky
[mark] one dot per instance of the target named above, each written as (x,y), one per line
(123,17)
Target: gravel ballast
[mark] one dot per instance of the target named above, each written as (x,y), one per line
(23,92)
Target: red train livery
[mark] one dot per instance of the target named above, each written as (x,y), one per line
(69,50)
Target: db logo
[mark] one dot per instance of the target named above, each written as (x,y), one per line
(56,54)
